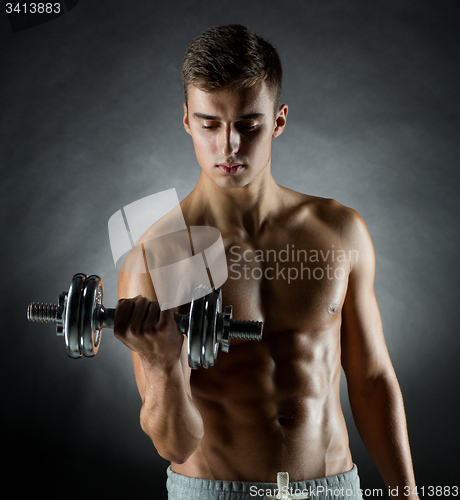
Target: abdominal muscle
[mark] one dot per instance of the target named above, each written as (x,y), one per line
(271,406)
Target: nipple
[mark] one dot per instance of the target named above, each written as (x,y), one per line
(333,308)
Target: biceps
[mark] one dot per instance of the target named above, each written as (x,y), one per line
(132,284)
(134,278)
(364,351)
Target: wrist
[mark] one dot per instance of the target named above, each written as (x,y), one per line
(161,382)
(162,369)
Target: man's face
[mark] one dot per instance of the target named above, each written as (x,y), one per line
(232,132)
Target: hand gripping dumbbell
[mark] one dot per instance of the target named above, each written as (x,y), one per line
(80,316)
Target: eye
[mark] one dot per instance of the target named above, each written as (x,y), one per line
(247,127)
(209,127)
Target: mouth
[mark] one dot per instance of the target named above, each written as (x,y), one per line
(230,168)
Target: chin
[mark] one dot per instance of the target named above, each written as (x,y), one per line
(230,183)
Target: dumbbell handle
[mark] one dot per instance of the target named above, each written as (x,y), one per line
(104,316)
(106,319)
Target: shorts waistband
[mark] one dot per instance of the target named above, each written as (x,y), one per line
(203,488)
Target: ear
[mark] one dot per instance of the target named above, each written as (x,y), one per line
(280,121)
(186,123)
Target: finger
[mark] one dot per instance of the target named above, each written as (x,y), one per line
(166,317)
(140,311)
(152,315)
(122,317)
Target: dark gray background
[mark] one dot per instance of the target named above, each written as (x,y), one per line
(91,109)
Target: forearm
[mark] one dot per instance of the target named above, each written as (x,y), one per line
(168,415)
(379,415)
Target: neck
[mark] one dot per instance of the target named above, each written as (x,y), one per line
(243,210)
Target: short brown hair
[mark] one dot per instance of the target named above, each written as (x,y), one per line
(231,57)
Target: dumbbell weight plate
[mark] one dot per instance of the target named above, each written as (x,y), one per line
(210,346)
(195,327)
(90,332)
(72,316)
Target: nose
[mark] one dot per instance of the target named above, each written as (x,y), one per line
(230,141)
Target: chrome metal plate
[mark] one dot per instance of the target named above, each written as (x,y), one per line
(90,330)
(72,316)
(195,326)
(210,345)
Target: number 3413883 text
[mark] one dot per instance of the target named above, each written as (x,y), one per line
(33,8)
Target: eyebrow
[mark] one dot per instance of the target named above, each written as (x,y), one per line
(249,116)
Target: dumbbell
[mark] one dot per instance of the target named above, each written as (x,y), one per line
(80,316)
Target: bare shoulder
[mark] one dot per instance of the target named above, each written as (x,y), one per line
(171,222)
(324,210)
(341,218)
(337,223)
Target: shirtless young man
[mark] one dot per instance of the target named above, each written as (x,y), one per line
(270,406)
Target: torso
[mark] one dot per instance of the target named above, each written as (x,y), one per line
(274,405)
